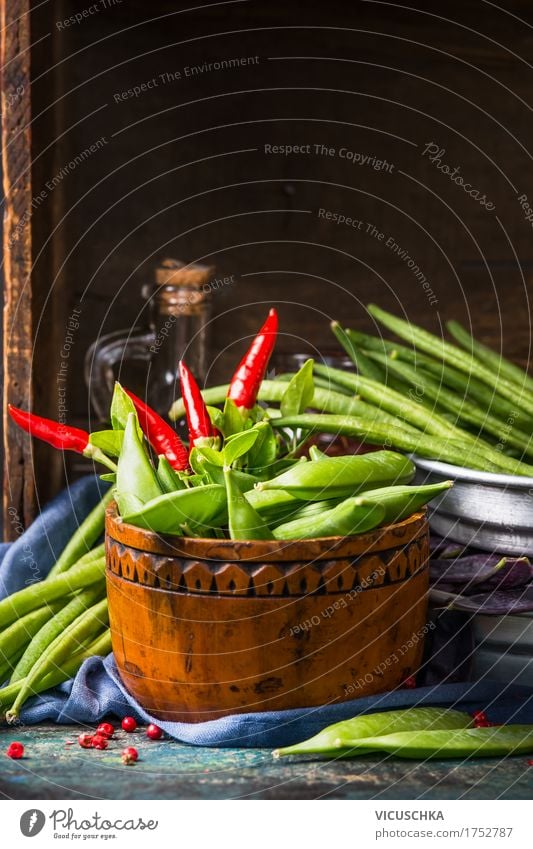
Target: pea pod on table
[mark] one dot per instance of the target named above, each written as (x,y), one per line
(332,740)
(462,743)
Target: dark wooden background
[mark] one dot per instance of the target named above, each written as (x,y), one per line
(183,170)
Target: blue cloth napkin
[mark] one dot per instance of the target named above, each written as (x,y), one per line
(97,690)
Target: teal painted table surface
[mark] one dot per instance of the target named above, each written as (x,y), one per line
(53,769)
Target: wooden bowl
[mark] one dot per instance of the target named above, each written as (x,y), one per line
(202,628)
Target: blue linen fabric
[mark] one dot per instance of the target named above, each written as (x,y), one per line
(97,690)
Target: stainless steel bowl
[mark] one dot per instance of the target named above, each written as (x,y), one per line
(504,647)
(493,512)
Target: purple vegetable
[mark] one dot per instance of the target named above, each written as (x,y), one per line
(439,546)
(496,603)
(480,573)
(516,572)
(464,570)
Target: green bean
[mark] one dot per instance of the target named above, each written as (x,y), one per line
(244,521)
(430,422)
(364,365)
(55,626)
(451,354)
(36,595)
(272,391)
(136,478)
(75,635)
(101,646)
(17,635)
(351,516)
(432,447)
(485,397)
(460,743)
(490,358)
(460,406)
(338,477)
(7,663)
(330,739)
(166,514)
(466,384)
(92,555)
(84,538)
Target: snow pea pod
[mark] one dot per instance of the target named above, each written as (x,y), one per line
(461,743)
(244,521)
(215,474)
(273,504)
(338,477)
(376,724)
(351,516)
(202,506)
(168,479)
(136,478)
(399,502)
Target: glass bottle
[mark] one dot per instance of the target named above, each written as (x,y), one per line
(146,359)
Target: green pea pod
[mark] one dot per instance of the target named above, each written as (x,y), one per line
(341,735)
(310,509)
(244,521)
(215,473)
(136,478)
(351,516)
(316,454)
(168,479)
(462,743)
(273,504)
(338,477)
(202,506)
(400,502)
(265,451)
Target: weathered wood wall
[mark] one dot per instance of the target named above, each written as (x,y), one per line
(178,165)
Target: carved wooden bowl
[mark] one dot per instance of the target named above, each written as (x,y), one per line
(202,628)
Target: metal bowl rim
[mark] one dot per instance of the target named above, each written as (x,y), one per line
(472,475)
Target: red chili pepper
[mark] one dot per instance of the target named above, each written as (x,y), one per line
(247,379)
(161,436)
(56,434)
(198,420)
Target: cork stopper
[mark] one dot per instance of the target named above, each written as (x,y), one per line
(172,272)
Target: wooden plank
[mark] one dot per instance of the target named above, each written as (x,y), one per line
(19,497)
(169,770)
